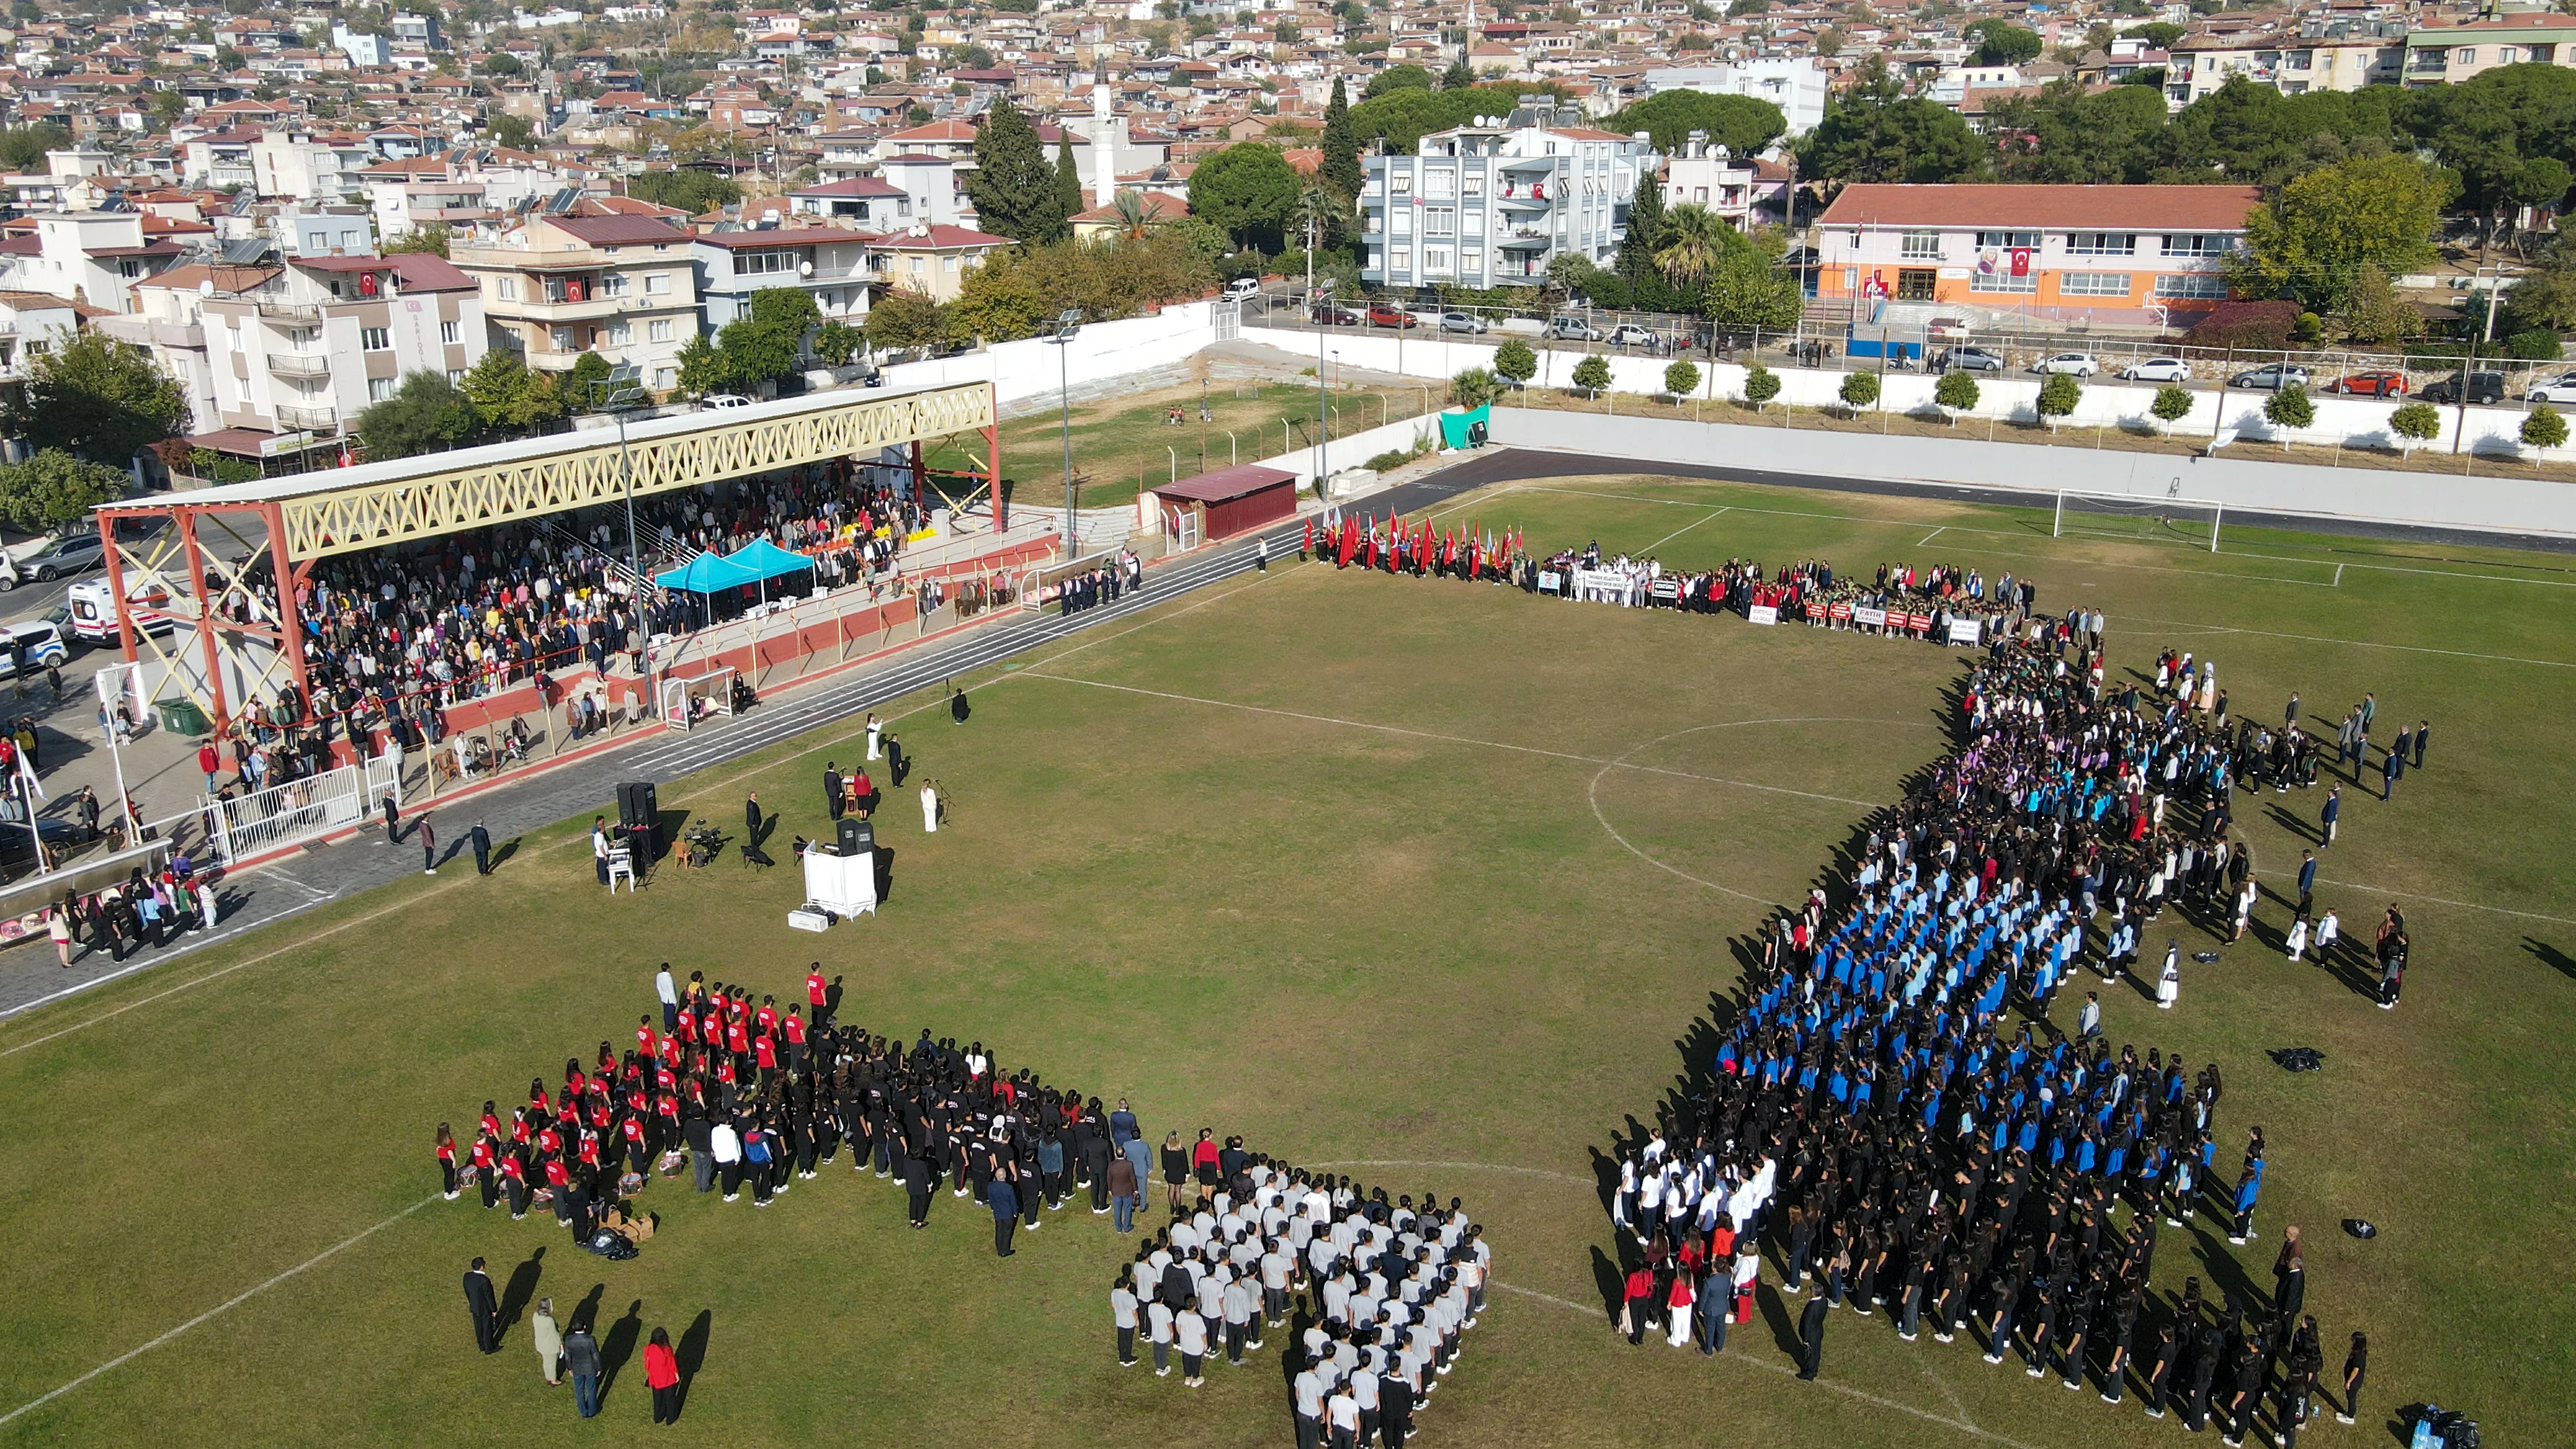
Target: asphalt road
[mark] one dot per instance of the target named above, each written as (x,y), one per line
(29,976)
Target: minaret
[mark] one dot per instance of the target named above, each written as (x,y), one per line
(1104,148)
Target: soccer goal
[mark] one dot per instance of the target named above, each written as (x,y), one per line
(2143,518)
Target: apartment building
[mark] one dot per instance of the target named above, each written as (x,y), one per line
(1796,84)
(2291,64)
(96,257)
(1493,202)
(296,344)
(467,186)
(304,165)
(2437,54)
(932,260)
(556,287)
(1732,186)
(2122,255)
(829,262)
(31,325)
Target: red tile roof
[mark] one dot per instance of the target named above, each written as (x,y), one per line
(2147,208)
(614,230)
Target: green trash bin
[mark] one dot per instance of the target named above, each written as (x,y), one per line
(182,717)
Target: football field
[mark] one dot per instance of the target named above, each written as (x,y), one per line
(1421,881)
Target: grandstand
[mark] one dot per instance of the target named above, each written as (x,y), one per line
(210,560)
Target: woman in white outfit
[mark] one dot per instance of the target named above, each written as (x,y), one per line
(875,730)
(2298,938)
(2169,985)
(929,807)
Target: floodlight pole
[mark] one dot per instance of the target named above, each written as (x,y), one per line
(1323,437)
(621,392)
(1067,322)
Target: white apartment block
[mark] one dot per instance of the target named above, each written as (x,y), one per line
(1491,204)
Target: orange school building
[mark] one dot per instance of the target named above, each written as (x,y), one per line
(2112,255)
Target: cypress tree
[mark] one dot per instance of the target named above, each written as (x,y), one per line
(1068,177)
(1012,186)
(1341,146)
(1645,230)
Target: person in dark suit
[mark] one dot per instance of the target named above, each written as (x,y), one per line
(428,844)
(2422,728)
(484,1309)
(481,840)
(1811,1336)
(2307,880)
(1003,1197)
(895,763)
(957,707)
(832,799)
(751,817)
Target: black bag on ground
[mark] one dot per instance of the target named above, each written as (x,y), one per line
(610,1246)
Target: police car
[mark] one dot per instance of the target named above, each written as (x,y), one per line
(31,646)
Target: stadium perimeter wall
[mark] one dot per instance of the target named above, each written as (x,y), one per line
(2356,495)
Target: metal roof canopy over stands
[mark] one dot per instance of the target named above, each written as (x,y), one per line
(311,516)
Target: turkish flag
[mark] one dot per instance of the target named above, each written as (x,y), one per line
(2021,261)
(1309,545)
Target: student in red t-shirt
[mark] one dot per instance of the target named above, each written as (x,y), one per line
(446,1145)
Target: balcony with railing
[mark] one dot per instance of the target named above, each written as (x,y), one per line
(278,309)
(299,364)
(312,419)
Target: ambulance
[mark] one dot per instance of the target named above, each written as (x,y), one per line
(93,610)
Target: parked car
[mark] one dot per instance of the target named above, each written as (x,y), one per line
(1242,287)
(61,836)
(2559,389)
(2372,384)
(717,401)
(1461,322)
(2272,378)
(2074,364)
(37,641)
(2158,369)
(1573,329)
(2482,387)
(1973,359)
(1386,315)
(1631,335)
(63,557)
(1331,316)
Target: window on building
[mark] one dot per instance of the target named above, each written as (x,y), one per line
(657,283)
(948,264)
(2006,240)
(456,374)
(1435,259)
(1924,244)
(566,340)
(353,241)
(658,330)
(505,289)
(2003,282)
(1400,183)
(1472,260)
(2093,284)
(917,268)
(759,264)
(615,284)
(451,333)
(665,378)
(1439,221)
(2101,243)
(1475,223)
(2465,55)
(1401,258)
(1474,183)
(379,388)
(1440,184)
(375,339)
(620,333)
(2200,245)
(2191,284)
(1402,219)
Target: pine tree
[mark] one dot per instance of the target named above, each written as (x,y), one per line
(1068,177)
(1341,146)
(1012,186)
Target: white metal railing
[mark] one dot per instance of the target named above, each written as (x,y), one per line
(292,812)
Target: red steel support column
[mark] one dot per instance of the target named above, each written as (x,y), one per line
(116,585)
(993,476)
(290,614)
(187,521)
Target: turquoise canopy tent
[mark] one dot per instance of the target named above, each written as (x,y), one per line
(756,564)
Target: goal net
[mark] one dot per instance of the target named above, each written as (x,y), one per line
(2140,518)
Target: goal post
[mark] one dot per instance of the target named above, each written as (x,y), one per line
(2143,518)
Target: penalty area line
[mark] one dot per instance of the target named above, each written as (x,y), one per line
(218,1310)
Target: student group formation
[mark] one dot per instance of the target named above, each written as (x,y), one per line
(1911,1114)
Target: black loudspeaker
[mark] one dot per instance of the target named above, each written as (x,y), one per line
(641,814)
(857,835)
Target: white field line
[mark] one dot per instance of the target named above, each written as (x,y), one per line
(226,1306)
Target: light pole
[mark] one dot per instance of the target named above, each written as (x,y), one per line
(1067,323)
(1323,295)
(615,394)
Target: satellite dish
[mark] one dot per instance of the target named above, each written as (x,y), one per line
(206,288)
(804,269)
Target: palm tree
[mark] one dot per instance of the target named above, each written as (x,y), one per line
(1131,217)
(1696,238)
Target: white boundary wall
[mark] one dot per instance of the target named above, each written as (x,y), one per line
(2376,495)
(2350,422)
(1030,368)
